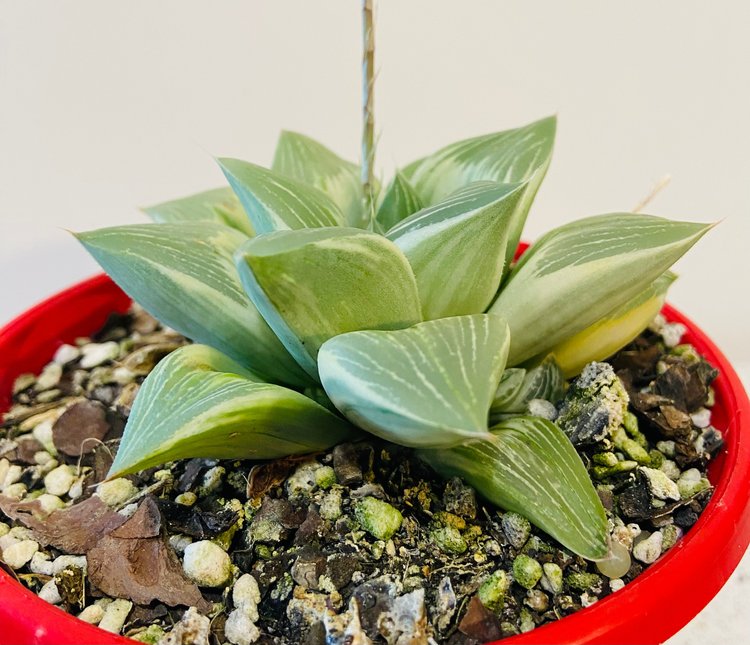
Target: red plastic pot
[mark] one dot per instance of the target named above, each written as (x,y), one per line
(643,612)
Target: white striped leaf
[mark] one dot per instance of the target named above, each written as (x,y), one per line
(457,248)
(218,205)
(511,156)
(529,466)
(276,203)
(200,403)
(310,162)
(399,201)
(518,386)
(579,272)
(615,330)
(313,284)
(184,275)
(427,386)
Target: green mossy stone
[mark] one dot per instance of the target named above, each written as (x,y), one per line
(527,571)
(378,518)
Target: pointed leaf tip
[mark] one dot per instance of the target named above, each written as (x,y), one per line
(274,202)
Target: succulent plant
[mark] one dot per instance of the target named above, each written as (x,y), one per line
(315,318)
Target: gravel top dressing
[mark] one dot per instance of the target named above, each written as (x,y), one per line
(360,544)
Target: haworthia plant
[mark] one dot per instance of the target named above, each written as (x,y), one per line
(405,319)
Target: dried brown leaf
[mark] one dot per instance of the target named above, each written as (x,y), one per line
(80,428)
(142,569)
(73,530)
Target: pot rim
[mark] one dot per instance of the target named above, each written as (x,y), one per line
(650,609)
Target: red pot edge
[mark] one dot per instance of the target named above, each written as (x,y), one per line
(598,623)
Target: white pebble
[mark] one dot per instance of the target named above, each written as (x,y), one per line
(66,354)
(701,418)
(672,333)
(661,486)
(15,491)
(542,408)
(207,564)
(92,614)
(649,550)
(58,481)
(65,561)
(211,480)
(50,593)
(97,353)
(42,457)
(239,629)
(667,448)
(19,554)
(4,529)
(6,540)
(116,491)
(12,475)
(49,377)
(179,541)
(670,469)
(22,533)
(616,584)
(76,490)
(129,510)
(246,596)
(42,432)
(50,503)
(41,564)
(115,615)
(4,468)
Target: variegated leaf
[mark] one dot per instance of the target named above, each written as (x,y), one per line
(313,284)
(217,205)
(581,271)
(457,248)
(310,162)
(184,275)
(511,156)
(427,386)
(276,203)
(200,403)
(519,386)
(529,466)
(399,201)
(613,331)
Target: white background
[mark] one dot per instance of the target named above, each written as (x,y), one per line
(107,105)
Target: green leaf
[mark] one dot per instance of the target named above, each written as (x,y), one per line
(529,466)
(581,271)
(200,403)
(512,156)
(310,162)
(427,386)
(399,201)
(457,248)
(519,386)
(184,275)
(613,331)
(276,203)
(313,284)
(218,205)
